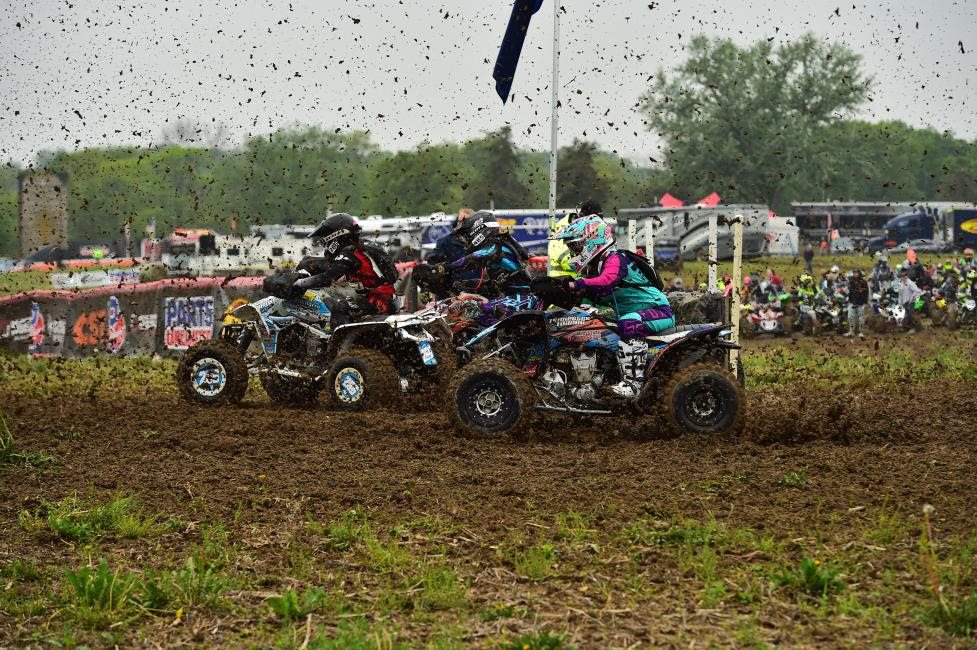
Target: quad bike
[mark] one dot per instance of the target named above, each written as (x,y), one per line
(966,311)
(564,362)
(297,347)
(765,318)
(887,315)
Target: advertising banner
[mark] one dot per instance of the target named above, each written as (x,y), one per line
(187,320)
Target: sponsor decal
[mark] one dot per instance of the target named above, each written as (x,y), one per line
(89,328)
(116,331)
(969,226)
(570,321)
(37,328)
(187,320)
(145,322)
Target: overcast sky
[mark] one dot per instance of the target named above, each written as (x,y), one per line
(87,73)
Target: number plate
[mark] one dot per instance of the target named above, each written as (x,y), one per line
(427,353)
(768,325)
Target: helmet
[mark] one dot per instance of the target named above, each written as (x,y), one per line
(588,208)
(677,283)
(586,238)
(805,278)
(476,228)
(765,285)
(856,271)
(336,232)
(836,269)
(971,274)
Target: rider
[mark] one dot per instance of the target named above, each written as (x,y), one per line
(360,262)
(620,279)
(494,253)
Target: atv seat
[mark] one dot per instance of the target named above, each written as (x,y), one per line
(685,328)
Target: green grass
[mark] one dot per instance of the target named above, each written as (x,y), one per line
(542,640)
(810,577)
(782,365)
(292,605)
(793,479)
(80,520)
(9,454)
(100,596)
(536,562)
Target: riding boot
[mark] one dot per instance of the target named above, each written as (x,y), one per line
(632,357)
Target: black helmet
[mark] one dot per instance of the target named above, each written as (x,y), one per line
(336,232)
(476,228)
(588,208)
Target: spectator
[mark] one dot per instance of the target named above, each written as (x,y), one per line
(809,259)
(908,292)
(857,299)
(824,247)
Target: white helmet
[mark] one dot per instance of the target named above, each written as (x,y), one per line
(836,269)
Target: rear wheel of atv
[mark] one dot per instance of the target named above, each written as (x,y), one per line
(491,398)
(363,378)
(212,372)
(705,398)
(290,390)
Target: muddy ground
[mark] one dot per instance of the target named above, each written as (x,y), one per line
(837,474)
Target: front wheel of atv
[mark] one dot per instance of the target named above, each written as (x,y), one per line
(290,390)
(491,398)
(363,378)
(212,372)
(705,399)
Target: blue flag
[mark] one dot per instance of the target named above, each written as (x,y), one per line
(515,36)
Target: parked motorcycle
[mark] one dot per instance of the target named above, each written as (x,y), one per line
(298,345)
(564,361)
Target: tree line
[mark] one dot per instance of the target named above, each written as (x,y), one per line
(758,124)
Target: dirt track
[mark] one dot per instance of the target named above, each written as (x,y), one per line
(260,469)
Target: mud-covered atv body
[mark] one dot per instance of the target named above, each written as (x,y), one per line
(296,348)
(565,361)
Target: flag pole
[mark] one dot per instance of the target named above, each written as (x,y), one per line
(554,120)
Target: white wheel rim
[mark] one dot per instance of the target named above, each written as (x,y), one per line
(208,376)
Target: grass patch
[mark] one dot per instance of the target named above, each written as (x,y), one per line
(357,634)
(100,597)
(79,520)
(536,562)
(291,605)
(437,588)
(542,640)
(9,454)
(654,532)
(810,577)
(793,479)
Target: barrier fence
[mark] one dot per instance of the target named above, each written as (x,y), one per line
(165,317)
(162,317)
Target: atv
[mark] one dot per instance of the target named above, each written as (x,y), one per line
(298,345)
(565,360)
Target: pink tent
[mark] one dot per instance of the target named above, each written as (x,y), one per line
(710,201)
(669,201)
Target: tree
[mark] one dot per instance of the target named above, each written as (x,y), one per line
(496,175)
(577,178)
(9,214)
(430,178)
(749,123)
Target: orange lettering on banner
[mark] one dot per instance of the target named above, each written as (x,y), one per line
(89,328)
